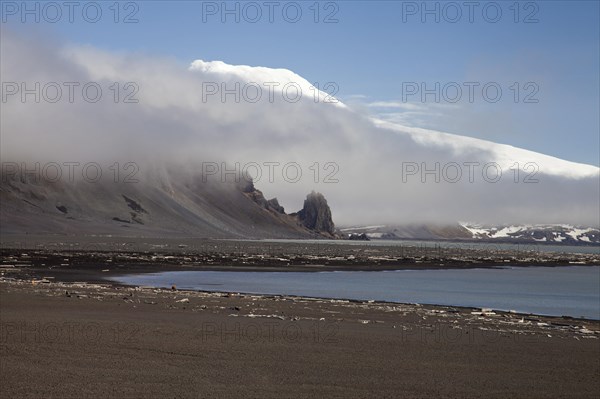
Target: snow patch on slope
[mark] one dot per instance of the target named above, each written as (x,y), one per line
(577,234)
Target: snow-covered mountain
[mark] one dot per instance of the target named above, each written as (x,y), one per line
(557,234)
(564,234)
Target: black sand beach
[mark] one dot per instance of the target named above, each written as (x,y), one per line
(67,332)
(72,340)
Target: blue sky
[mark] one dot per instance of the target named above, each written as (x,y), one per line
(376,48)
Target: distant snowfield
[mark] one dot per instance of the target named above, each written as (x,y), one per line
(558,233)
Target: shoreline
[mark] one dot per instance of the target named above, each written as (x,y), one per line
(111,284)
(269,296)
(98,277)
(372,301)
(99,267)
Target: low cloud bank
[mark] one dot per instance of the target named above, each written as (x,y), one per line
(214,118)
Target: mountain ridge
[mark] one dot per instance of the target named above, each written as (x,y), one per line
(181,204)
(530,233)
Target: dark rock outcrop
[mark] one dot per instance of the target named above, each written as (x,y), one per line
(316,215)
(247,187)
(134,205)
(258,197)
(358,237)
(273,204)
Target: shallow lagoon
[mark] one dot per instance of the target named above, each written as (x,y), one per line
(557,291)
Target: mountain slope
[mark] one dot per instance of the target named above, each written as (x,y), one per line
(175,203)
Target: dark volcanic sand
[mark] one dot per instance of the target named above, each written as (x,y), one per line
(63,339)
(69,340)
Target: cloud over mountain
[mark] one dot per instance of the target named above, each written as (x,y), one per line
(292,137)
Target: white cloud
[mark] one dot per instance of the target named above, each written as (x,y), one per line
(415,114)
(173,123)
(396,104)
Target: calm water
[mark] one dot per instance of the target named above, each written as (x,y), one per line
(570,291)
